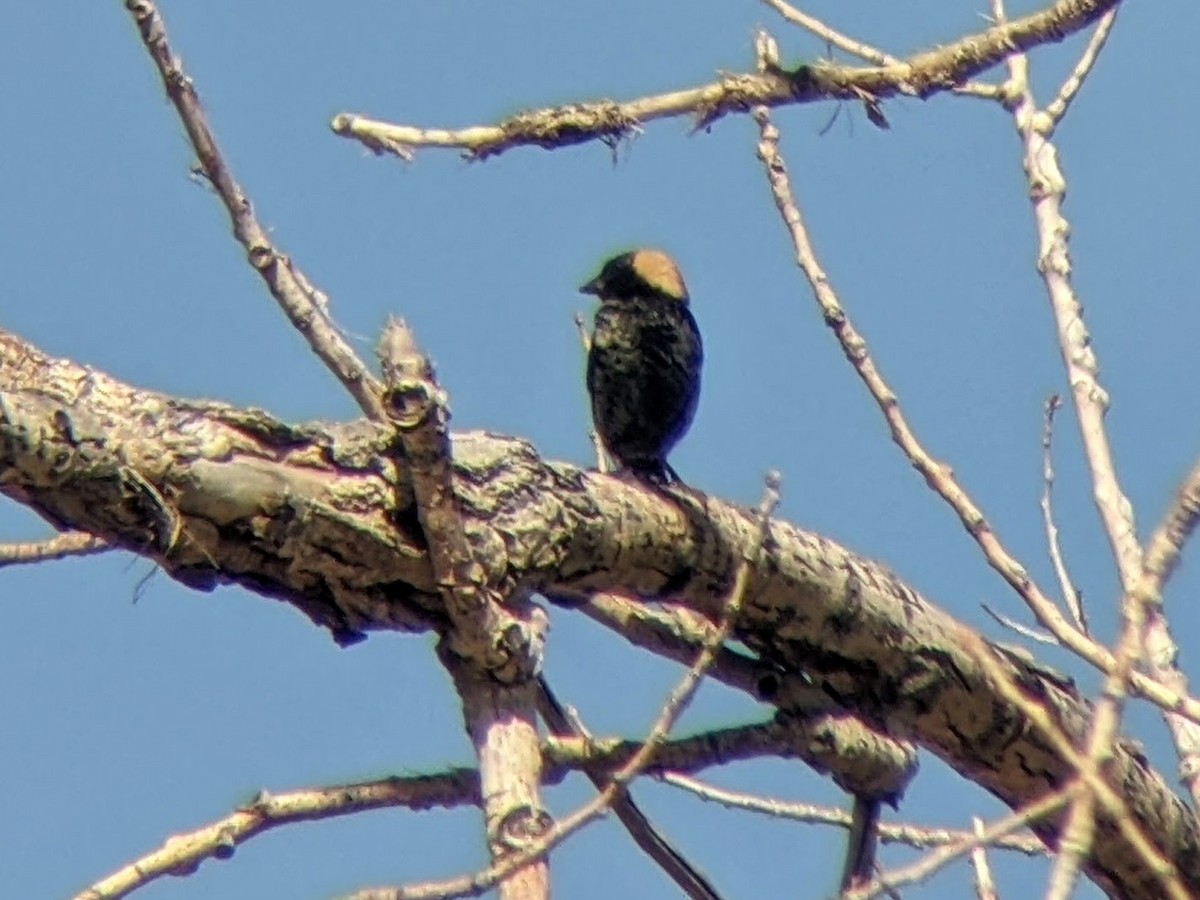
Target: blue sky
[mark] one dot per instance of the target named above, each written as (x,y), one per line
(129,721)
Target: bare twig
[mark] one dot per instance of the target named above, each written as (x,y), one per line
(1047,187)
(831,36)
(1033,634)
(910,835)
(71,543)
(776,737)
(1162,555)
(1071,595)
(183,853)
(304,306)
(1070,88)
(937,474)
(921,75)
(1165,545)
(985,885)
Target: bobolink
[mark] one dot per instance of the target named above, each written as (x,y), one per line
(643,370)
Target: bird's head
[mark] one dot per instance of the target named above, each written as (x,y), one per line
(638,273)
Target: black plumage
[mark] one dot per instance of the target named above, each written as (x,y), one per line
(643,371)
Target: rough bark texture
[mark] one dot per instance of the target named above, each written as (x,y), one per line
(319,516)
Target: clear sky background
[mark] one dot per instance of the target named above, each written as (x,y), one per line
(128,721)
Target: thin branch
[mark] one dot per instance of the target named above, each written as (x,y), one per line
(680,697)
(931,862)
(773,737)
(1071,595)
(985,885)
(183,853)
(1047,190)
(1070,88)
(862,50)
(921,75)
(1166,544)
(1092,781)
(71,543)
(1162,555)
(937,475)
(305,307)
(1033,634)
(690,879)
(830,35)
(909,835)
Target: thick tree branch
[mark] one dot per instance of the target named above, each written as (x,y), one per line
(318,516)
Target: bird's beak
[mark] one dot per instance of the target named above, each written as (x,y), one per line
(593,287)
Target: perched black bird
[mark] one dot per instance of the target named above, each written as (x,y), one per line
(643,371)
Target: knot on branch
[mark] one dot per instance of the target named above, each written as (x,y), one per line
(519,828)
(409,404)
(412,395)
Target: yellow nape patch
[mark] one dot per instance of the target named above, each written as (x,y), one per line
(660,272)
